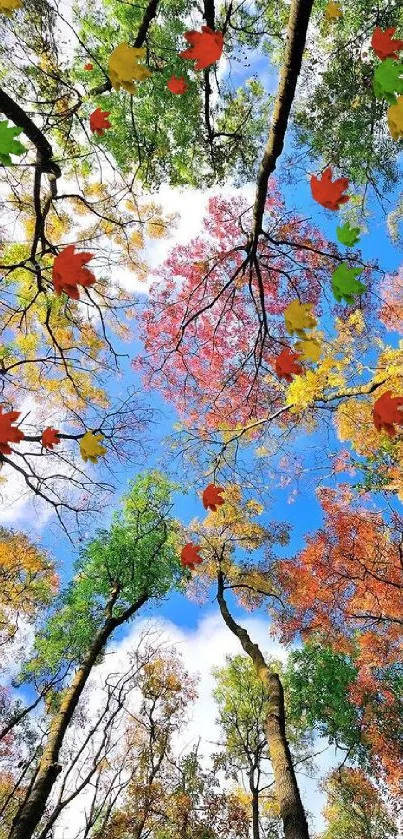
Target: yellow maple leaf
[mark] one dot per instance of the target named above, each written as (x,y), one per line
(309,348)
(395,119)
(298,317)
(124,67)
(7,7)
(333,11)
(91,447)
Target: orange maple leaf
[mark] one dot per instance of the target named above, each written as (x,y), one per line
(387,411)
(287,365)
(68,272)
(177,84)
(98,121)
(8,433)
(190,556)
(50,438)
(383,44)
(212,497)
(206,48)
(328,193)
(88,66)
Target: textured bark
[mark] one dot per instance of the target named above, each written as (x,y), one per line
(291,809)
(34,806)
(300,11)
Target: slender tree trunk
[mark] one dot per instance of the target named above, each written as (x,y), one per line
(34,806)
(291,809)
(300,11)
(255,812)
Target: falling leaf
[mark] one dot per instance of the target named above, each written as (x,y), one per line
(309,348)
(386,411)
(347,235)
(177,84)
(287,365)
(124,67)
(384,45)
(91,447)
(88,66)
(328,193)
(8,432)
(388,80)
(212,497)
(333,11)
(98,121)
(50,438)
(190,556)
(206,48)
(69,272)
(8,143)
(7,7)
(298,317)
(395,119)
(344,283)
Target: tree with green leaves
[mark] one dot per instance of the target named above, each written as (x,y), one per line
(119,571)
(242,704)
(354,808)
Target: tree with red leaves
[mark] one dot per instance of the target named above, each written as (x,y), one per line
(214,324)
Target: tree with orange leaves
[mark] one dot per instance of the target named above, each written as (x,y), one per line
(346,584)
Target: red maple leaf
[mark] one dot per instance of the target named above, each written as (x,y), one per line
(328,193)
(88,66)
(212,497)
(386,411)
(177,84)
(190,556)
(98,121)
(384,45)
(68,272)
(206,48)
(287,365)
(50,438)
(8,433)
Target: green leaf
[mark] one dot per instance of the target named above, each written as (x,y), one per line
(388,80)
(348,235)
(8,145)
(345,285)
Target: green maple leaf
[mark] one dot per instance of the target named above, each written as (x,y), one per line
(345,285)
(388,80)
(8,143)
(348,235)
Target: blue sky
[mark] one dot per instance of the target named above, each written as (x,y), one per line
(303,515)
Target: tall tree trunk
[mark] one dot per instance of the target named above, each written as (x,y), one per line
(34,806)
(300,12)
(291,809)
(255,811)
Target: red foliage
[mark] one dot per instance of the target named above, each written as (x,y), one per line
(190,556)
(177,84)
(88,66)
(387,410)
(328,193)
(212,497)
(384,45)
(99,121)
(69,272)
(50,438)
(211,313)
(287,364)
(8,432)
(207,47)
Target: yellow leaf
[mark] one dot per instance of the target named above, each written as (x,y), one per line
(91,447)
(124,67)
